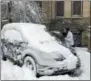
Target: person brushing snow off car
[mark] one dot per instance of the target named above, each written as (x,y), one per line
(68,37)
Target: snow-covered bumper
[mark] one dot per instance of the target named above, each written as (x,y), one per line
(61,67)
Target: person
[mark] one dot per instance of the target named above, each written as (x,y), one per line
(68,40)
(68,37)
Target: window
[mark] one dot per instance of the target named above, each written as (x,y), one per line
(60,8)
(39,3)
(77,8)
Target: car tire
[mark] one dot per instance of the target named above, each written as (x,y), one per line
(30,63)
(75,73)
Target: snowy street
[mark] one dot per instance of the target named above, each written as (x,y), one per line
(14,72)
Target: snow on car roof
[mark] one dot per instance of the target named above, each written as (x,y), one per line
(24,24)
(34,32)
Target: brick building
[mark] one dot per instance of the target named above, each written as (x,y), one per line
(69,9)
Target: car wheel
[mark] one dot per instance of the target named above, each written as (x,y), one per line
(75,73)
(29,62)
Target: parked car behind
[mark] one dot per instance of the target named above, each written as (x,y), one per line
(31,45)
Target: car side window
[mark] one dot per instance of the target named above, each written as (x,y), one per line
(13,35)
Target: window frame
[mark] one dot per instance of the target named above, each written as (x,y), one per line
(72,15)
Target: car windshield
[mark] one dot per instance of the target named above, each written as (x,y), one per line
(48,37)
(45,36)
(38,34)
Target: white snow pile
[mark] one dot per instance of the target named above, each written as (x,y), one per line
(14,72)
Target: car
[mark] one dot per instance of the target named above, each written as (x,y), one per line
(32,45)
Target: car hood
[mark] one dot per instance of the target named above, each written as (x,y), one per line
(53,48)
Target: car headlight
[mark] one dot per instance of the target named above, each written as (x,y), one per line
(60,58)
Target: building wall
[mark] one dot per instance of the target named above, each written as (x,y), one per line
(46,11)
(49,8)
(67,9)
(86,8)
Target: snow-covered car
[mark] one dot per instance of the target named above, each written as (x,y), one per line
(31,45)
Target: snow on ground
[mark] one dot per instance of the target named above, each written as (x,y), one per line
(14,72)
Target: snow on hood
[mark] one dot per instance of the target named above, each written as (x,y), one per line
(38,37)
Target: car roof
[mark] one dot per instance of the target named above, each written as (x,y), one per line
(23,25)
(27,30)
